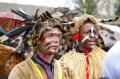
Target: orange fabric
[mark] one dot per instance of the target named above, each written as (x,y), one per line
(87,64)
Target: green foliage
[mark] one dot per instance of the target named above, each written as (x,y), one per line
(118,10)
(86,6)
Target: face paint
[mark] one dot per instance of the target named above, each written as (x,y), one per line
(92,32)
(84,39)
(51,41)
(47,46)
(88,36)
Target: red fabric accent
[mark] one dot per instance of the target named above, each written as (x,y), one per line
(87,64)
(76,36)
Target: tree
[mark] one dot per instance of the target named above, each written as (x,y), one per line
(86,6)
(117,12)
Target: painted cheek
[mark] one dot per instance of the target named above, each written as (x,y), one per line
(84,39)
(43,38)
(48,39)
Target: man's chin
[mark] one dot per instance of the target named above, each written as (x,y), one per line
(91,46)
(52,51)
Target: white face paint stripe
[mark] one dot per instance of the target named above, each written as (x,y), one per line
(85,38)
(92,31)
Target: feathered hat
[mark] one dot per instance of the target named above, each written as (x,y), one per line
(79,21)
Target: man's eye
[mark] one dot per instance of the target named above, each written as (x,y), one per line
(88,32)
(94,32)
(59,35)
(49,35)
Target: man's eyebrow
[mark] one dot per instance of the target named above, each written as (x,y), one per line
(55,33)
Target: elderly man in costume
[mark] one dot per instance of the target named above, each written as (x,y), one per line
(87,61)
(42,65)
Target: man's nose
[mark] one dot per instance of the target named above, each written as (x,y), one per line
(55,39)
(92,34)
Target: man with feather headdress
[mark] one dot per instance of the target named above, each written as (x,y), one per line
(46,38)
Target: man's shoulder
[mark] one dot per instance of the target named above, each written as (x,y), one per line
(20,70)
(98,49)
(24,62)
(72,57)
(23,65)
(71,54)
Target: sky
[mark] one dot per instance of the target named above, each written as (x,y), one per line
(48,3)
